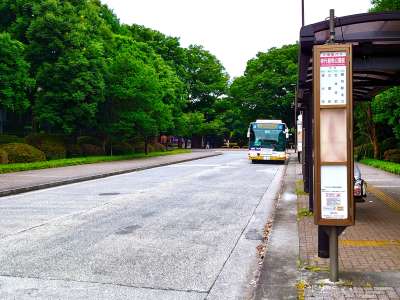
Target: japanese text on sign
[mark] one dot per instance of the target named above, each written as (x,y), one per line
(333,78)
(334,192)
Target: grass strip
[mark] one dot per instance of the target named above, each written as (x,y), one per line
(383,165)
(57,163)
(300,188)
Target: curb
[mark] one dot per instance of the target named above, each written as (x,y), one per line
(251,237)
(279,273)
(26,189)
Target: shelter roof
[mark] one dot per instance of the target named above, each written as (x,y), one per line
(376,52)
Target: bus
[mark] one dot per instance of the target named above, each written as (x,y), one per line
(267,140)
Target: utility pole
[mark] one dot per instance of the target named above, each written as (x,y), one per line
(331,26)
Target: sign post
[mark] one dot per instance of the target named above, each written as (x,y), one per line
(299,137)
(333,143)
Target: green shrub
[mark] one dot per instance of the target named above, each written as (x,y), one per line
(384,165)
(22,153)
(392,155)
(139,147)
(52,145)
(89,140)
(363,151)
(389,143)
(159,147)
(120,148)
(91,150)
(7,139)
(233,145)
(74,150)
(150,148)
(3,157)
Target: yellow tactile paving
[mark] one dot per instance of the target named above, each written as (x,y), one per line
(369,243)
(388,200)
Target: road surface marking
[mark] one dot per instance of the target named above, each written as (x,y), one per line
(369,243)
(388,200)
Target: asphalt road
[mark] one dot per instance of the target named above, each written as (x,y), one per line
(185,231)
(384,181)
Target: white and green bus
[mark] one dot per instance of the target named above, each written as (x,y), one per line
(267,140)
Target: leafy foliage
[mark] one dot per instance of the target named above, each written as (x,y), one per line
(7,139)
(266,90)
(52,146)
(386,107)
(385,5)
(14,75)
(383,165)
(80,72)
(3,157)
(22,153)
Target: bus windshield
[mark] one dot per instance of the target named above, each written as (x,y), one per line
(271,137)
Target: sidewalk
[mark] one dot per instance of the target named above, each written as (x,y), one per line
(21,182)
(369,252)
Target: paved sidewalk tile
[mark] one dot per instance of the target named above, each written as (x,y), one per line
(371,247)
(334,292)
(19,182)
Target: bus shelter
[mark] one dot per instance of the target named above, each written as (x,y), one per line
(375,39)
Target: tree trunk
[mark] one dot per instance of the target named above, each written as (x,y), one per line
(34,123)
(103,144)
(186,143)
(372,132)
(146,146)
(2,121)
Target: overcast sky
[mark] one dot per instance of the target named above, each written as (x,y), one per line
(233,30)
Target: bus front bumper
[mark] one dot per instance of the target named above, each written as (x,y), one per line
(261,156)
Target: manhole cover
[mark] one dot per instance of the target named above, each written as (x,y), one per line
(108,194)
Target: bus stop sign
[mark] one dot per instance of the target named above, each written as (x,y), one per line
(333,135)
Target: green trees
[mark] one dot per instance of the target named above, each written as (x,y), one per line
(266,90)
(69,67)
(64,46)
(94,76)
(14,75)
(385,5)
(207,84)
(386,107)
(377,122)
(142,92)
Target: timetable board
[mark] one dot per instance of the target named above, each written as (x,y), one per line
(333,73)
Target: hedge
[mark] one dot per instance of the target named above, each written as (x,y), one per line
(7,139)
(3,157)
(22,153)
(392,155)
(52,145)
(383,165)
